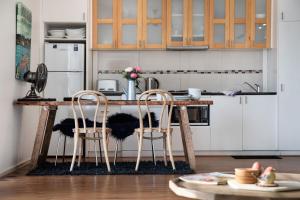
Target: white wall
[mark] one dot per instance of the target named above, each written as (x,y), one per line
(251,59)
(18,125)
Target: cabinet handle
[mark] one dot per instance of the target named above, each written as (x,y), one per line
(140,43)
(246,100)
(282,16)
(240,100)
(282,87)
(83,16)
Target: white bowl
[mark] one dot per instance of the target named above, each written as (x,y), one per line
(78,31)
(56,33)
(195,93)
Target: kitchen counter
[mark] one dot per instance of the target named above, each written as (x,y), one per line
(240,93)
(203,93)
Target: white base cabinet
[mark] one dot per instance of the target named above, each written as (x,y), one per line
(226,123)
(260,123)
(244,123)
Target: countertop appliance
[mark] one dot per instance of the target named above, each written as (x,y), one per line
(66,76)
(151,83)
(107,85)
(199,115)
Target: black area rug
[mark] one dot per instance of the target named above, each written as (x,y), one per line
(121,168)
(256,157)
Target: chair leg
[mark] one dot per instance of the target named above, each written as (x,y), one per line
(100,150)
(74,151)
(64,151)
(170,150)
(140,143)
(165,150)
(105,145)
(153,150)
(95,150)
(57,146)
(116,151)
(80,151)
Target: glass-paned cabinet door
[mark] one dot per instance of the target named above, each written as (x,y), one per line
(219,19)
(199,22)
(104,24)
(154,21)
(262,19)
(239,26)
(177,23)
(128,24)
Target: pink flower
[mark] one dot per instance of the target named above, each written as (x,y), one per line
(133,75)
(138,68)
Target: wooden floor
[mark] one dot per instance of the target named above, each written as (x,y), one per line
(17,186)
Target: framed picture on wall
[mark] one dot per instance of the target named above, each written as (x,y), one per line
(23,40)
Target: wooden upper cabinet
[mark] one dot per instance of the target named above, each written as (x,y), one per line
(198,22)
(105,24)
(230,23)
(240,23)
(154,24)
(219,23)
(129,24)
(261,23)
(157,24)
(187,23)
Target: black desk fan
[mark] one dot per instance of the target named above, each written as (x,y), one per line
(38,82)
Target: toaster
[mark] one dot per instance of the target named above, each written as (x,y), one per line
(107,85)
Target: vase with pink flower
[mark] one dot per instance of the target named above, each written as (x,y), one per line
(131,74)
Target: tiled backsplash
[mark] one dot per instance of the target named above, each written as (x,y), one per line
(212,70)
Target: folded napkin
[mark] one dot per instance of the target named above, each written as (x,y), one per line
(231,92)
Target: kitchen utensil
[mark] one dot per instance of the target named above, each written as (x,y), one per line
(151,83)
(195,93)
(107,85)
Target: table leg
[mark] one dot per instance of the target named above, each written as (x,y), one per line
(43,135)
(186,135)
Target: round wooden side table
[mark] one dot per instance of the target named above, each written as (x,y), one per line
(224,192)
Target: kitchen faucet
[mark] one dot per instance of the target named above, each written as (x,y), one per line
(257,89)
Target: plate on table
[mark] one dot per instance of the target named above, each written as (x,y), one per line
(182,98)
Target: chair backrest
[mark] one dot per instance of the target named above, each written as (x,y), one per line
(78,102)
(166,107)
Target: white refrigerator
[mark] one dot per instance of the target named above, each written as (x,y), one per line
(66,75)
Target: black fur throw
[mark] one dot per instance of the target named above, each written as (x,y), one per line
(122,125)
(66,126)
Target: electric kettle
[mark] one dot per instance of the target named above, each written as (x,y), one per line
(151,83)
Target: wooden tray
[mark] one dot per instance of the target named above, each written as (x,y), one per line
(282,186)
(224,192)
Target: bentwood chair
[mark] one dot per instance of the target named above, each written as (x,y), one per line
(163,131)
(90,133)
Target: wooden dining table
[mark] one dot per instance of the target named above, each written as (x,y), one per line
(47,118)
